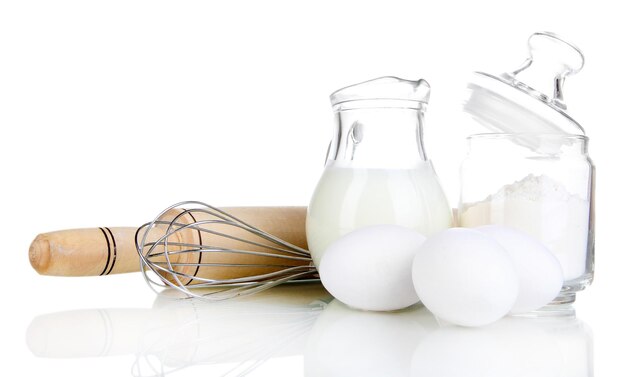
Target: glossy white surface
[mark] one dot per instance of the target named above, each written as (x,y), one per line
(300,330)
(111,111)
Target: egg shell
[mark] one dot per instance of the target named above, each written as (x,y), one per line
(370,268)
(539,271)
(465,277)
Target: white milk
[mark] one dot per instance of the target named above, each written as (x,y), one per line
(347,198)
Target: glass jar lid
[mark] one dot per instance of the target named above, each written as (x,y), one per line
(529,100)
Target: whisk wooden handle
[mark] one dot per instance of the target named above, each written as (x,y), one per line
(103,251)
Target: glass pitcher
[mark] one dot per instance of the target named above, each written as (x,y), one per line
(376,169)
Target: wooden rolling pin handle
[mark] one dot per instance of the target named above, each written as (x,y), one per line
(85,252)
(104,251)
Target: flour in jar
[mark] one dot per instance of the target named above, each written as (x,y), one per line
(543,208)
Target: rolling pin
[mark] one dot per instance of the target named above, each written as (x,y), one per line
(111,250)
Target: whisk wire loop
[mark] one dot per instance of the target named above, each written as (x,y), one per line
(185,249)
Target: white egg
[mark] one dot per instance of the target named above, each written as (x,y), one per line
(465,277)
(540,274)
(370,268)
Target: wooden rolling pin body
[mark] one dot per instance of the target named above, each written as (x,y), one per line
(103,251)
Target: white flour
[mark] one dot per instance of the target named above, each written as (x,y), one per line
(543,208)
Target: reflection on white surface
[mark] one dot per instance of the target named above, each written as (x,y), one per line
(177,334)
(348,342)
(345,342)
(246,331)
(235,337)
(513,346)
(86,333)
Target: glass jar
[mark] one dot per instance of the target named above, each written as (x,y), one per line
(543,187)
(376,169)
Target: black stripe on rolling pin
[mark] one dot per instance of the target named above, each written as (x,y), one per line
(114,250)
(200,254)
(106,266)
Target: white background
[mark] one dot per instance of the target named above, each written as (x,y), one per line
(112,110)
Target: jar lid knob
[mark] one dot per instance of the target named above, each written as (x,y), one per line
(552,59)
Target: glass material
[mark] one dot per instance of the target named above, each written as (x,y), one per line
(376,168)
(529,99)
(546,192)
(534,172)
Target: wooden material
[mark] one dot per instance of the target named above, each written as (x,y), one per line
(103,251)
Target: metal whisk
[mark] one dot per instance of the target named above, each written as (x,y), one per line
(205,247)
